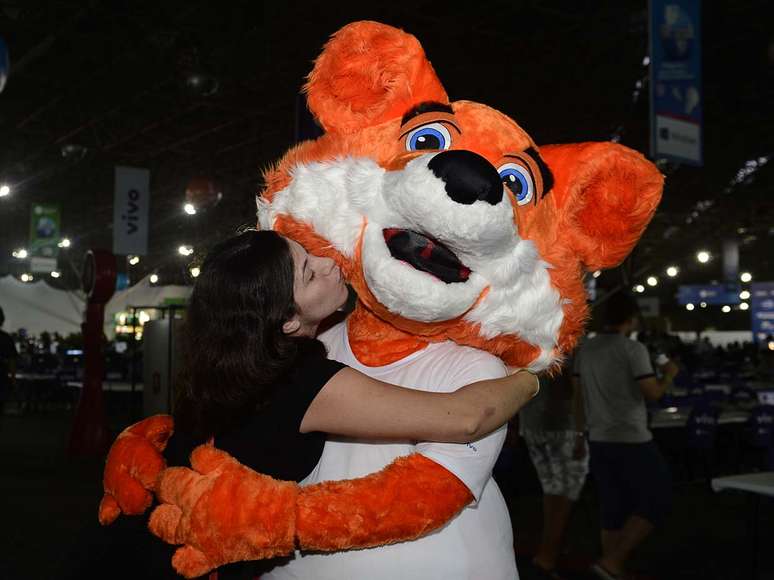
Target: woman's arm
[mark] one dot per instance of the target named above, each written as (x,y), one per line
(356,405)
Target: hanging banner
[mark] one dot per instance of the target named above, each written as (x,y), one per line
(718,294)
(130,211)
(5,64)
(675,81)
(44,231)
(762,310)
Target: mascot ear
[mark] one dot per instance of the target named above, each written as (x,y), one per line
(369,73)
(605,195)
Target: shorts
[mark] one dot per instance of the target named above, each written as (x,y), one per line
(552,455)
(631,479)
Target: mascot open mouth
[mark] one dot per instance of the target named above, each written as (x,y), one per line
(426,255)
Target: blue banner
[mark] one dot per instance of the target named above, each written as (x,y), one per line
(675,80)
(717,294)
(762,310)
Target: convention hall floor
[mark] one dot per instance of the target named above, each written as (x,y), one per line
(50,502)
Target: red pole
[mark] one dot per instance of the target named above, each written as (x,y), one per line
(89,435)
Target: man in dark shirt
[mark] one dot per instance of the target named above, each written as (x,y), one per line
(8,357)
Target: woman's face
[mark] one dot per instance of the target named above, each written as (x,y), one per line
(318,288)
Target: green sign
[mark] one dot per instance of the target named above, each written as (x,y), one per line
(44,230)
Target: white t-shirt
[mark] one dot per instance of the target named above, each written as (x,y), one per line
(478,543)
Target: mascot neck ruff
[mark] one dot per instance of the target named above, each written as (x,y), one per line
(456,230)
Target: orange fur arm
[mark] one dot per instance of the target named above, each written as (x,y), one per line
(223,512)
(133,464)
(407,499)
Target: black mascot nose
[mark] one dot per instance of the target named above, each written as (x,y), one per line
(468,177)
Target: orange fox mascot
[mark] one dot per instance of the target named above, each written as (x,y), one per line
(450,224)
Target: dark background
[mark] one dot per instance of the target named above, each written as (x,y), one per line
(111,81)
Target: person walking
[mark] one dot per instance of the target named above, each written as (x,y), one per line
(613,378)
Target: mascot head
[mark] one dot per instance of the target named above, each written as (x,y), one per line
(447,219)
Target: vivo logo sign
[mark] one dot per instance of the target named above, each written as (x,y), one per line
(130,211)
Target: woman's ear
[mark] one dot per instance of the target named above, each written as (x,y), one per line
(292,325)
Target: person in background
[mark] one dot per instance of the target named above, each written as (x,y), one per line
(613,377)
(558,451)
(8,356)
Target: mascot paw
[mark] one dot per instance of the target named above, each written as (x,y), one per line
(248,516)
(133,464)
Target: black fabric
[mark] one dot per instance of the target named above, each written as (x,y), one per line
(631,479)
(425,254)
(269,441)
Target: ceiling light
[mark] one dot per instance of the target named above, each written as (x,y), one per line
(195,272)
(639,288)
(652,281)
(703,304)
(154,278)
(4,190)
(744,306)
(185,250)
(64,243)
(20,254)
(134,260)
(672,271)
(726,309)
(26,277)
(55,274)
(597,273)
(744,294)
(703,256)
(189,208)
(745,277)
(689,306)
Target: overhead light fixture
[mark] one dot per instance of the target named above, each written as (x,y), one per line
(597,273)
(703,256)
(154,278)
(189,208)
(744,295)
(703,304)
(689,306)
(64,243)
(195,272)
(726,309)
(20,254)
(652,281)
(26,277)
(4,190)
(55,274)
(672,271)
(185,250)
(639,288)
(745,277)
(744,306)
(134,260)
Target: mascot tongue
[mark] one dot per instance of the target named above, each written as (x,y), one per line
(426,255)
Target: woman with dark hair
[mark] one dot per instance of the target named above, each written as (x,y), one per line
(258,382)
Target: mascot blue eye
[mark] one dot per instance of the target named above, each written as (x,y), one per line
(518,180)
(432,137)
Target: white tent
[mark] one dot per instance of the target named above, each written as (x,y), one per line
(37,307)
(141,294)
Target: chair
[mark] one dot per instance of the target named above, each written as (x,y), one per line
(701,432)
(759,436)
(742,395)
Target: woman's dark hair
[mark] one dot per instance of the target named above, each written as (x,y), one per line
(235,351)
